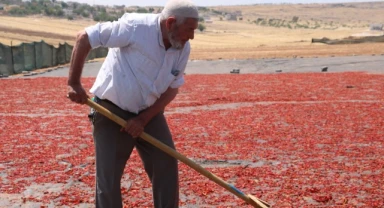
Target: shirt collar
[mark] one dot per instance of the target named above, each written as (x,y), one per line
(161,42)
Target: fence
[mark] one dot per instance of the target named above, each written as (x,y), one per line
(37,55)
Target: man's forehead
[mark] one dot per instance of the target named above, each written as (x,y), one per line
(191,22)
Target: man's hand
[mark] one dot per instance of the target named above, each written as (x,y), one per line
(80,51)
(134,127)
(77,93)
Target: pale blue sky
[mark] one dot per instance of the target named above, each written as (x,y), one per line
(208,2)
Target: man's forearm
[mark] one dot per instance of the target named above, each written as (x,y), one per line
(79,54)
(159,105)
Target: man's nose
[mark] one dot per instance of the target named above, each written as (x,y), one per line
(192,36)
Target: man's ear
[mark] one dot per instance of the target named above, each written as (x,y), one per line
(170,22)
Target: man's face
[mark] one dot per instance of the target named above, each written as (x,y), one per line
(178,35)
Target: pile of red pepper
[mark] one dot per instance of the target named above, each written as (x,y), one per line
(293,140)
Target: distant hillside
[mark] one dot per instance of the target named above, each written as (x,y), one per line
(332,15)
(326,16)
(69,10)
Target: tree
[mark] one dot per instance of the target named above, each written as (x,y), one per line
(64,5)
(85,14)
(49,11)
(59,12)
(103,16)
(201,27)
(142,10)
(33,8)
(75,5)
(17,11)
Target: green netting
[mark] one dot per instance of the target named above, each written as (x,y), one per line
(18,58)
(101,52)
(54,56)
(61,54)
(37,55)
(46,55)
(29,56)
(91,55)
(68,52)
(6,66)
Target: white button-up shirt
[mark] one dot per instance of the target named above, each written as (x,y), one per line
(137,69)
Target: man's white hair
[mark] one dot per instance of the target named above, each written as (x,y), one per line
(180,9)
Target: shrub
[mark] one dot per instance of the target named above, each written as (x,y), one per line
(142,10)
(17,11)
(201,27)
(85,14)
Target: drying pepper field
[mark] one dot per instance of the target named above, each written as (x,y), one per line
(293,140)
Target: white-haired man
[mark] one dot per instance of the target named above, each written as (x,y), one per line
(140,76)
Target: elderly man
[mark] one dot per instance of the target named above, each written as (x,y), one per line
(140,76)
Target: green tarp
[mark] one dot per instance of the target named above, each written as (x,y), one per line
(37,55)
(6,65)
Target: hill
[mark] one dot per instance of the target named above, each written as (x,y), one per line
(255,31)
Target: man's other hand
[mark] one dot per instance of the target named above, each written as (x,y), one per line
(77,94)
(134,126)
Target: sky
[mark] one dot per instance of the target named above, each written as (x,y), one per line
(208,2)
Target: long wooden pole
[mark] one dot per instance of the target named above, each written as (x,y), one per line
(252,200)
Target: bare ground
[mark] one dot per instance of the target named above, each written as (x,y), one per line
(312,50)
(41,34)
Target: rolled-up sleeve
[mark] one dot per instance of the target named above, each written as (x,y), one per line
(182,64)
(111,34)
(178,82)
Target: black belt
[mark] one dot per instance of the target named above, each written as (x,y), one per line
(97,99)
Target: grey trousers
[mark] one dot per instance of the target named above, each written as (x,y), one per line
(113,149)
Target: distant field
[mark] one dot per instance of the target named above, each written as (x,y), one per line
(238,39)
(339,15)
(37,28)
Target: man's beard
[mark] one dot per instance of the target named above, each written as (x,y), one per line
(176,44)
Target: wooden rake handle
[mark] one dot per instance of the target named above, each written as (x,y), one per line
(255,202)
